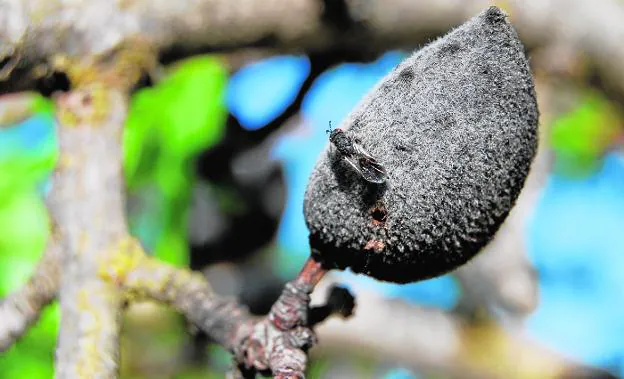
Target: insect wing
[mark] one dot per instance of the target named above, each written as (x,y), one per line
(371,170)
(353,162)
(368,167)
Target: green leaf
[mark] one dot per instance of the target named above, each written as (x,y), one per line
(24,225)
(193,99)
(172,247)
(23,172)
(43,105)
(140,139)
(182,115)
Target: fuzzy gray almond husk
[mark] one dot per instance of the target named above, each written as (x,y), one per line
(455,126)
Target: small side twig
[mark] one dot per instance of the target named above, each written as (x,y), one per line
(22,308)
(276,344)
(16,108)
(188,292)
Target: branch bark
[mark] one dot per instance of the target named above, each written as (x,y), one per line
(20,309)
(45,31)
(189,293)
(16,108)
(101,262)
(435,341)
(275,344)
(87,204)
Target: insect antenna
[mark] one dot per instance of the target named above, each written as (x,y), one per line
(328,131)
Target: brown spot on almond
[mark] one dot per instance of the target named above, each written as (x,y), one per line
(379,213)
(375,245)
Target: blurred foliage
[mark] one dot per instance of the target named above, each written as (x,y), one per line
(581,137)
(167,125)
(317,368)
(152,340)
(25,163)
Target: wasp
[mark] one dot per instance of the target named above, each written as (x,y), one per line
(355,155)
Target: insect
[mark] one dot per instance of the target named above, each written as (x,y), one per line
(354,154)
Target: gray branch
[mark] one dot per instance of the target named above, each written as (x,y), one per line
(87,204)
(435,341)
(191,295)
(42,31)
(22,308)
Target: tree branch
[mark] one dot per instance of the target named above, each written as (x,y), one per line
(87,204)
(274,344)
(432,340)
(16,108)
(45,31)
(99,259)
(22,308)
(189,293)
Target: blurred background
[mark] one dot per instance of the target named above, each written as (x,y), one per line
(217,154)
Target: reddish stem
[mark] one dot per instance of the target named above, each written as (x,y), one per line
(291,309)
(311,273)
(279,343)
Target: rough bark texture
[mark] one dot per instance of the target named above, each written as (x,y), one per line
(102,266)
(21,309)
(87,204)
(36,31)
(274,344)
